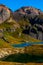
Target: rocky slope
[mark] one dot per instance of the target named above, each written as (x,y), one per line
(7,23)
(31,21)
(26,20)
(5,13)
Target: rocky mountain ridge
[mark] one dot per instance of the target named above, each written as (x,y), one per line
(34,18)
(26,20)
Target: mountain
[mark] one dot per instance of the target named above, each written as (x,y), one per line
(5,13)
(13,26)
(7,26)
(31,21)
(27,11)
(24,27)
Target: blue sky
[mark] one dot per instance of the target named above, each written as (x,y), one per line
(16,4)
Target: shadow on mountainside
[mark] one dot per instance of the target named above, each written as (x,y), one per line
(23,58)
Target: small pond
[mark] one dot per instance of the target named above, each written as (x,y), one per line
(26,44)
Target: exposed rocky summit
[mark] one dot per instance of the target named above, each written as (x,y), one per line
(29,10)
(5,13)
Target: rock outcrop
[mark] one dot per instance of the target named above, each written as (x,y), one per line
(4,13)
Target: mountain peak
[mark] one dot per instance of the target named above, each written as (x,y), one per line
(4,13)
(29,10)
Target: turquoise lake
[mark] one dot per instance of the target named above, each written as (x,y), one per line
(26,44)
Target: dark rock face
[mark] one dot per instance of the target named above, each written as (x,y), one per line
(34,17)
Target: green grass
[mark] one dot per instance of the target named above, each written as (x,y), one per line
(4,44)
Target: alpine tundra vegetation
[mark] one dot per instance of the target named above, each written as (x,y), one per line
(21,36)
